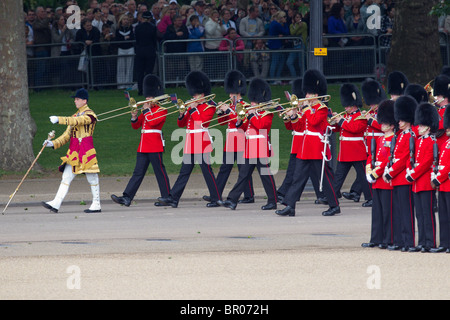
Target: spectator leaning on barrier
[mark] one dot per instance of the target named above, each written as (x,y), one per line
(278,28)
(336,25)
(251,26)
(196,32)
(232,39)
(355,24)
(125,35)
(387,25)
(213,30)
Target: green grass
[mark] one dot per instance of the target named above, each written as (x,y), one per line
(116,142)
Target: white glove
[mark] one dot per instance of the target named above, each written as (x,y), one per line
(48,143)
(369,178)
(54,119)
(433,176)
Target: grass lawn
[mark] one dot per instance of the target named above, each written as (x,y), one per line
(116,142)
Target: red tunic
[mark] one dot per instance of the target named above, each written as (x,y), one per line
(381,161)
(297,128)
(401,158)
(151,132)
(373,129)
(352,146)
(257,127)
(235,139)
(444,167)
(198,139)
(443,138)
(423,164)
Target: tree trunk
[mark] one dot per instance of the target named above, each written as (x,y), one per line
(415,46)
(17,128)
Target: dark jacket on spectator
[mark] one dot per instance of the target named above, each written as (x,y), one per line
(42,34)
(94,35)
(120,36)
(145,34)
(171,34)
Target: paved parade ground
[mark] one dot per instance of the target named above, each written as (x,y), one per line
(194,252)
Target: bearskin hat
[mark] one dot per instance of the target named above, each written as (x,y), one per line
(427,115)
(446,70)
(385,113)
(152,86)
(235,83)
(314,82)
(417,91)
(350,95)
(197,82)
(405,108)
(441,86)
(297,88)
(259,91)
(397,83)
(372,92)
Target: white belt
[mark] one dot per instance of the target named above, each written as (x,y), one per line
(151,131)
(296,133)
(311,133)
(196,130)
(256,136)
(375,134)
(232,130)
(351,138)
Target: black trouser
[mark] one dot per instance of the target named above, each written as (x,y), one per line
(426,221)
(403,222)
(305,168)
(289,178)
(246,171)
(143,160)
(444,219)
(187,166)
(381,229)
(143,65)
(229,158)
(342,171)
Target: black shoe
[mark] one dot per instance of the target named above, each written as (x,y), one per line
(332,211)
(269,206)
(382,246)
(321,201)
(425,249)
(207,198)
(46,205)
(351,196)
(160,204)
(280,198)
(92,211)
(393,247)
(169,201)
(121,200)
(447,251)
(227,204)
(288,211)
(438,249)
(413,249)
(368,245)
(212,204)
(367,204)
(247,200)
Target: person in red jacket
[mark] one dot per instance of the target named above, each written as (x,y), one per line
(352,148)
(378,159)
(310,155)
(403,221)
(198,143)
(373,94)
(440,179)
(236,87)
(441,92)
(151,146)
(419,170)
(257,152)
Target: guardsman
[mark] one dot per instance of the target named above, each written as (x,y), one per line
(419,170)
(397,83)
(198,145)
(151,146)
(378,159)
(441,180)
(291,123)
(441,91)
(310,158)
(373,94)
(235,85)
(352,147)
(257,126)
(81,156)
(403,221)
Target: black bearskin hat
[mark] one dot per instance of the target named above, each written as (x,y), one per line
(447,117)
(397,83)
(314,82)
(372,92)
(405,109)
(417,91)
(297,88)
(350,95)
(235,83)
(441,86)
(446,70)
(385,113)
(259,91)
(197,82)
(427,115)
(152,86)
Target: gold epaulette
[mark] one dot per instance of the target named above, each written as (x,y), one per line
(322,105)
(361,117)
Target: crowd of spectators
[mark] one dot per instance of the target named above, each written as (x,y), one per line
(108,21)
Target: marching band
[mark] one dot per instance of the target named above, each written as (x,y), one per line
(399,148)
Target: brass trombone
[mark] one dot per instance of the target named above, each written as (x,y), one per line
(331,120)
(133,105)
(183,106)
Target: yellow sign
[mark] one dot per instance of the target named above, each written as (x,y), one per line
(320,51)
